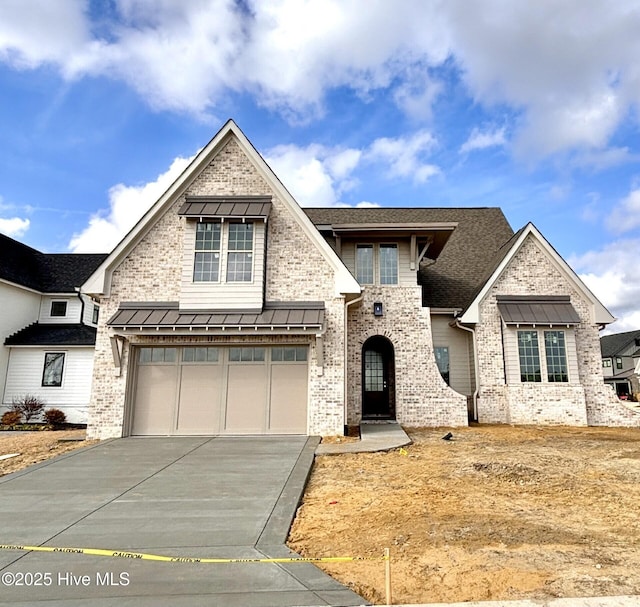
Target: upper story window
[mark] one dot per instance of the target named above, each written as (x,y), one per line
(95,315)
(606,362)
(364,264)
(207,261)
(58,308)
(240,252)
(388,264)
(618,363)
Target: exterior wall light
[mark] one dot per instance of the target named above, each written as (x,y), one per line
(377,309)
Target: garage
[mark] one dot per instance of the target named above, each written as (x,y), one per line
(204,390)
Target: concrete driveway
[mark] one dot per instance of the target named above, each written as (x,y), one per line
(199,497)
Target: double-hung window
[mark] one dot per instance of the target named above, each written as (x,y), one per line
(240,252)
(388,264)
(207,261)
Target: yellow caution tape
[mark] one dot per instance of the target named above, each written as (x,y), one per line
(123,554)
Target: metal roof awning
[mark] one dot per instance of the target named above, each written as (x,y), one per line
(275,318)
(543,310)
(226,207)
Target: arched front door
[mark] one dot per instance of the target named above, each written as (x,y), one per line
(378,379)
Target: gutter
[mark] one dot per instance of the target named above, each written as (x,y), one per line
(475,367)
(346,342)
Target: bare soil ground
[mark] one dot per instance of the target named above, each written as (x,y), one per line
(497,513)
(35,447)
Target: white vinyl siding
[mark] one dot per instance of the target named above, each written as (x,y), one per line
(74,310)
(25,377)
(196,295)
(512,357)
(406,276)
(459,343)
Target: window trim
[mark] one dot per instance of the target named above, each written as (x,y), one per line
(59,356)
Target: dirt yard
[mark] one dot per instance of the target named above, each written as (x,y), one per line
(35,447)
(497,513)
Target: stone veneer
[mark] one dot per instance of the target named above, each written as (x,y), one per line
(422,397)
(591,402)
(152,272)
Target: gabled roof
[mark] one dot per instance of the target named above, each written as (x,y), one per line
(53,335)
(100,281)
(612,345)
(45,272)
(471,315)
(468,256)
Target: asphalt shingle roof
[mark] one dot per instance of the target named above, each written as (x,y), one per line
(611,345)
(53,335)
(45,272)
(473,251)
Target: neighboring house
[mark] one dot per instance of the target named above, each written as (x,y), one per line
(621,362)
(47,328)
(229,309)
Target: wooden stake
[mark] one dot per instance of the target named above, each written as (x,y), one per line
(387,576)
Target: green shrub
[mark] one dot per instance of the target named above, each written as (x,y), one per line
(55,417)
(29,406)
(11,418)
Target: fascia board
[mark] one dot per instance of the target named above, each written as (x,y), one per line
(602,316)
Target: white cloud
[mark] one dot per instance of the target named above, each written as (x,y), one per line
(14,226)
(479,140)
(569,70)
(611,273)
(405,156)
(626,215)
(127,204)
(315,175)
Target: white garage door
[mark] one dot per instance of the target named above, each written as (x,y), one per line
(220,390)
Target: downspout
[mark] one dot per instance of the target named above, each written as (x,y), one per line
(346,342)
(77,290)
(475,367)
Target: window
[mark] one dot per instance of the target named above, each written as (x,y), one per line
(58,308)
(200,355)
(606,362)
(157,355)
(529,356)
(240,255)
(53,367)
(364,264)
(388,264)
(618,363)
(207,261)
(96,314)
(289,353)
(373,371)
(442,360)
(246,354)
(556,356)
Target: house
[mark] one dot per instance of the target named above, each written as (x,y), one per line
(228,309)
(621,362)
(47,328)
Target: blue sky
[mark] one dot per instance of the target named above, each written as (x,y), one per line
(529,106)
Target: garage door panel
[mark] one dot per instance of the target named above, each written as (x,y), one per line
(246,399)
(155,400)
(200,399)
(288,410)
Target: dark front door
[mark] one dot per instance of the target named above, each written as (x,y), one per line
(378,379)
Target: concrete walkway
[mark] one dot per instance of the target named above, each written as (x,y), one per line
(222,497)
(373,437)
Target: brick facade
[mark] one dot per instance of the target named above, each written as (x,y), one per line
(422,397)
(152,272)
(584,402)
